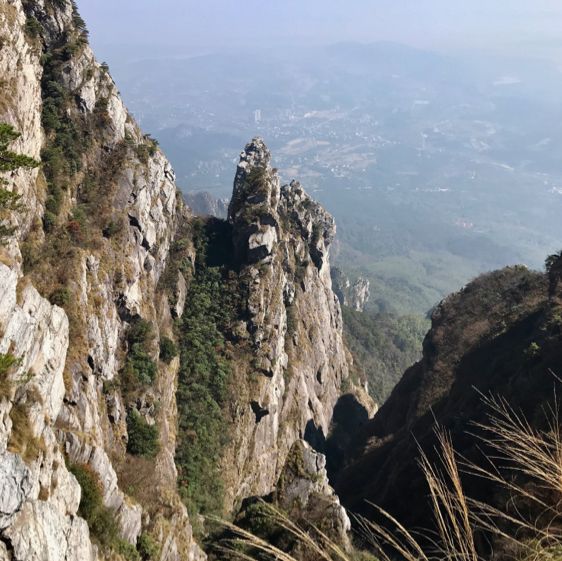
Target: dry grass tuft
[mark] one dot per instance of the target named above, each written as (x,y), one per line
(22,438)
(245,545)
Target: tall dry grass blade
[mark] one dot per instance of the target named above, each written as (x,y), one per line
(321,545)
(401,541)
(247,538)
(531,452)
(522,451)
(450,505)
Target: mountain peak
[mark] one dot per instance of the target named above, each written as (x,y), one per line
(256,184)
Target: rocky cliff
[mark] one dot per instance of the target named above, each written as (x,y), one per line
(94,228)
(354,295)
(292,326)
(100,281)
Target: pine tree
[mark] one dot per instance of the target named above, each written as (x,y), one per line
(10,161)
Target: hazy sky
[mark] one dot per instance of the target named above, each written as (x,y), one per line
(522,25)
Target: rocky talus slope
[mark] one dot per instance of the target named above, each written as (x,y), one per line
(94,284)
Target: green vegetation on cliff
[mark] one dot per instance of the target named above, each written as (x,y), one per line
(139,367)
(383,347)
(7,362)
(10,161)
(143,438)
(101,520)
(68,137)
(203,385)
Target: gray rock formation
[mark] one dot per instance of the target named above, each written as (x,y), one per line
(294,326)
(53,409)
(15,486)
(304,493)
(353,294)
(202,203)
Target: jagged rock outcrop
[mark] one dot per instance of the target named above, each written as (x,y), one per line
(302,496)
(202,203)
(304,493)
(293,325)
(355,295)
(498,336)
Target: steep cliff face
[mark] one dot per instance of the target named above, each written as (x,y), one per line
(499,336)
(293,324)
(93,235)
(99,285)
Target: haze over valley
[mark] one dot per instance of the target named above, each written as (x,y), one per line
(436,167)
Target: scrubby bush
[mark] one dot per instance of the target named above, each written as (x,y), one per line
(22,438)
(126,550)
(257,179)
(148,547)
(532,351)
(112,229)
(168,350)
(32,27)
(59,3)
(60,297)
(54,200)
(101,519)
(139,365)
(142,438)
(551,261)
(91,500)
(140,331)
(49,221)
(78,21)
(7,362)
